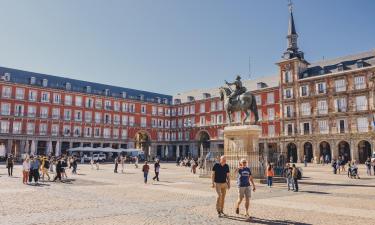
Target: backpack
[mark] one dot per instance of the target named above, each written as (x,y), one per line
(299,174)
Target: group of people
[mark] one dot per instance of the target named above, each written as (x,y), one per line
(292,175)
(37,167)
(350,167)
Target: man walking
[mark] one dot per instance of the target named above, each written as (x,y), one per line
(34,170)
(145,170)
(157,169)
(221,181)
(244,180)
(295,172)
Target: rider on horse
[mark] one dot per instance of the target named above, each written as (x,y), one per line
(239,89)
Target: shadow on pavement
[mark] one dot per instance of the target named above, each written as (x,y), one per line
(265,221)
(315,192)
(340,185)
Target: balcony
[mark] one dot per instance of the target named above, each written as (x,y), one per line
(31,115)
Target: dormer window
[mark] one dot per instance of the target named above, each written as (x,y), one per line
(106,92)
(340,67)
(123,94)
(44,82)
(88,89)
(190,98)
(165,100)
(7,77)
(322,71)
(360,63)
(177,101)
(141,97)
(68,86)
(32,80)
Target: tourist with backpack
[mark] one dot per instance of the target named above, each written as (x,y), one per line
(295,175)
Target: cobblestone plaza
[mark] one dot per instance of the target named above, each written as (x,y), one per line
(102,197)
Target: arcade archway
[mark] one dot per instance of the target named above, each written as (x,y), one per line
(142,141)
(308,151)
(292,153)
(203,143)
(364,151)
(344,151)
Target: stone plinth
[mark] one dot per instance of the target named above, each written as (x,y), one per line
(243,142)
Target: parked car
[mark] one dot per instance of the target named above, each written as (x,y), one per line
(101,157)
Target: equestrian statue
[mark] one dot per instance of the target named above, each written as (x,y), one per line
(238,99)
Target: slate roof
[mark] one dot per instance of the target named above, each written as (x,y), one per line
(332,65)
(56,82)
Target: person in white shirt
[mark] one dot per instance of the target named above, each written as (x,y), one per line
(25,170)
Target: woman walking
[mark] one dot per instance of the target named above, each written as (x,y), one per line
(25,170)
(269,173)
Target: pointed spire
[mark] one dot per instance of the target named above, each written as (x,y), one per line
(292,50)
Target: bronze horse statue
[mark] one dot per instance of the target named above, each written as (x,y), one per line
(244,103)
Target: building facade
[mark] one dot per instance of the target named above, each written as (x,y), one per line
(307,109)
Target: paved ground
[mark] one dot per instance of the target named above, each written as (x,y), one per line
(102,197)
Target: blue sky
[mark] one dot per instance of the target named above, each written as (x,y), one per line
(169,46)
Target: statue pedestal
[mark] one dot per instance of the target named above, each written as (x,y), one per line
(243,142)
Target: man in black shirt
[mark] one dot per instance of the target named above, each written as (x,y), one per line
(221,180)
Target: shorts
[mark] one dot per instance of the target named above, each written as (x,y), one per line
(244,192)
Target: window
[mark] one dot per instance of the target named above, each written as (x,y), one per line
(154,123)
(56,98)
(125,120)
(359,82)
(288,76)
(219,119)
(202,121)
(78,101)
(289,131)
(305,128)
(131,121)
(77,115)
(44,112)
(31,111)
(270,98)
(288,110)
(89,103)
(97,132)
(98,103)
(66,130)
(43,129)
(260,114)
(154,110)
(107,118)
(116,106)
(107,105)
(361,103)
(18,110)
(304,90)
(4,127)
(116,119)
(288,93)
(98,117)
(143,109)
(45,97)
(30,128)
(68,100)
(202,108)
(115,133)
(55,113)
(132,109)
(77,131)
(7,92)
(67,114)
(125,107)
(187,135)
(160,136)
(55,130)
(341,126)
(44,82)
(192,109)
(321,88)
(323,127)
(160,123)
(88,116)
(33,95)
(362,124)
(17,127)
(271,130)
(322,107)
(213,120)
(167,112)
(88,131)
(213,106)
(167,123)
(106,133)
(143,121)
(271,113)
(20,93)
(5,109)
(306,109)
(340,85)
(340,104)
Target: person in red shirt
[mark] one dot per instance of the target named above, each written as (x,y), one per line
(145,170)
